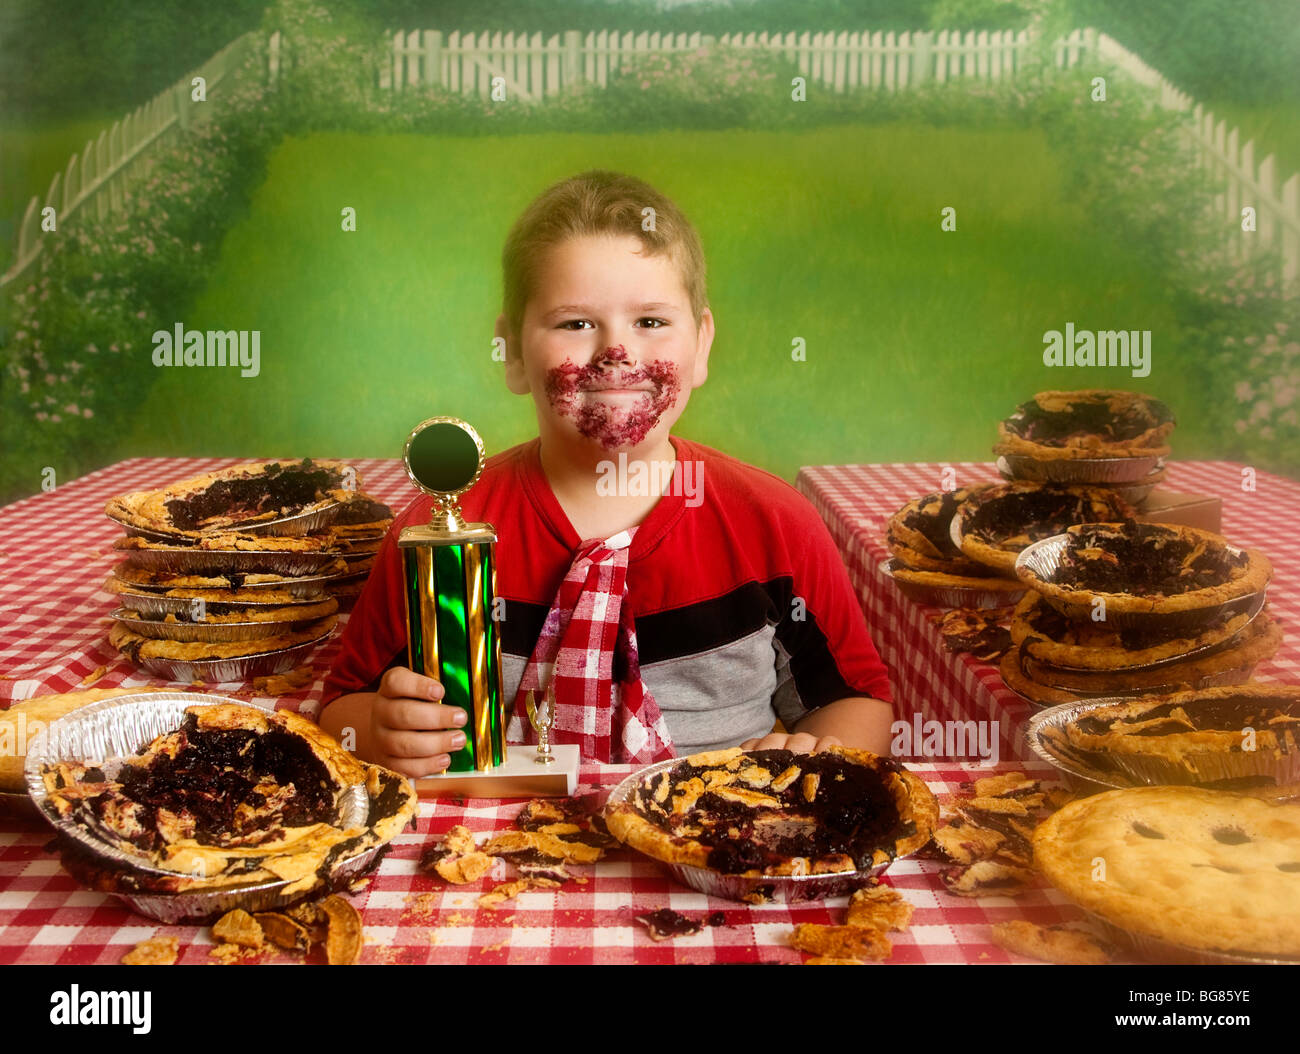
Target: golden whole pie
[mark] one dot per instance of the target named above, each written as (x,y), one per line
(1207,870)
(237,795)
(775,812)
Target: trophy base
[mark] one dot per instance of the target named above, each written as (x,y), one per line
(519,777)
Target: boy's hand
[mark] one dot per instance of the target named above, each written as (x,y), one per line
(410,731)
(799,742)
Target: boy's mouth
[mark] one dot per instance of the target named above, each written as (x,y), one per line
(615,407)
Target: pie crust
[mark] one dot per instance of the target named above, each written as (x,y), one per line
(254,492)
(943,580)
(1089,423)
(164,580)
(918,533)
(774,812)
(1208,870)
(237,795)
(1047,636)
(1149,568)
(215,596)
(998,523)
(1050,684)
(262,613)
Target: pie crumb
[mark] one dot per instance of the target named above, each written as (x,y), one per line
(841,942)
(93,676)
(1053,944)
(156,951)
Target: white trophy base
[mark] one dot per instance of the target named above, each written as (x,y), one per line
(519,777)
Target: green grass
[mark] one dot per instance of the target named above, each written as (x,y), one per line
(918,341)
(30,154)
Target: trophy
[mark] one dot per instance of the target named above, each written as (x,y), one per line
(452,619)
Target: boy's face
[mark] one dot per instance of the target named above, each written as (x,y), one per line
(609,348)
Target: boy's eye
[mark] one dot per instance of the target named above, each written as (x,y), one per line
(658,322)
(571,323)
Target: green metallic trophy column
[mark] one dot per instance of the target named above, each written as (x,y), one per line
(451,590)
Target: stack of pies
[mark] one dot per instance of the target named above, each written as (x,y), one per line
(1180,874)
(927,564)
(240,572)
(1123,608)
(1117,438)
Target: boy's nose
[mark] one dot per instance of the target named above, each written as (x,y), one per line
(617,353)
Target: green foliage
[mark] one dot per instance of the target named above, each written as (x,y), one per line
(58,55)
(977,15)
(1213,49)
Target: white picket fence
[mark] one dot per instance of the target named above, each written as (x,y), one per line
(532,68)
(1219,151)
(97,177)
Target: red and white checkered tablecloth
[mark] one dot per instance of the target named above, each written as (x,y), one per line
(409,917)
(856,501)
(55,551)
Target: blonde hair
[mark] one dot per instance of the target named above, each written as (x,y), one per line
(595,203)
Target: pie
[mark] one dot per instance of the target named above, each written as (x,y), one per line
(1091,423)
(1178,729)
(235,796)
(1147,568)
(984,581)
(775,812)
(136,647)
(214,597)
(251,493)
(165,581)
(1047,636)
(261,613)
(1233,663)
(919,538)
(231,541)
(1207,870)
(975,630)
(999,522)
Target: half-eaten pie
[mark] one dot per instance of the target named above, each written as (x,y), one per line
(236,795)
(919,538)
(1206,870)
(1090,423)
(1147,568)
(775,812)
(230,498)
(997,523)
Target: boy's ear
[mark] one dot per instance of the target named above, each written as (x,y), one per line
(704,341)
(516,380)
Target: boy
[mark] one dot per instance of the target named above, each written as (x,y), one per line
(707,607)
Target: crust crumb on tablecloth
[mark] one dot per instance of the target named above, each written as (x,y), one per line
(1053,944)
(156,951)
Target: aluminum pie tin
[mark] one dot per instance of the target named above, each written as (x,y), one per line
(1043,558)
(240,668)
(1155,950)
(1080,469)
(782,889)
(157,607)
(294,526)
(952,596)
(114,729)
(187,561)
(1225,678)
(1115,770)
(205,632)
(302,586)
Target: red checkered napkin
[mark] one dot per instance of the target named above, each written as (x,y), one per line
(587,651)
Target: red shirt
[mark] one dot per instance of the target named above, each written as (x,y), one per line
(743,609)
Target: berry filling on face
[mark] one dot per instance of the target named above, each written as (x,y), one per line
(616,407)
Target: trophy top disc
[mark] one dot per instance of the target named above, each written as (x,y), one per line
(444,457)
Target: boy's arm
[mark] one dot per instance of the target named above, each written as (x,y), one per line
(857,721)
